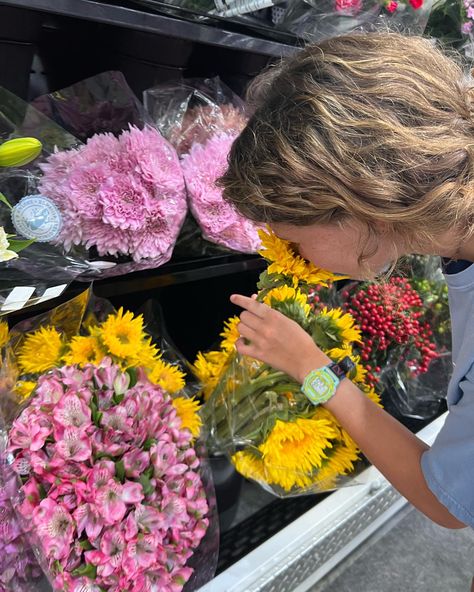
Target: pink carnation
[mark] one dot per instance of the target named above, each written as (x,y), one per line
(219,221)
(130,519)
(121,196)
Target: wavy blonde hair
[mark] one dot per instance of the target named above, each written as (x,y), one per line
(372,127)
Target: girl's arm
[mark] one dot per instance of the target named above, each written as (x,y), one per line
(273,338)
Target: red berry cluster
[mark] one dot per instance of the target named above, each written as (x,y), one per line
(390,316)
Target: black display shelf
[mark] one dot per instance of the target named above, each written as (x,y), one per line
(177,272)
(141,19)
(199,270)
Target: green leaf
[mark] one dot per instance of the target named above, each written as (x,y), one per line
(18,245)
(148,444)
(132,372)
(120,471)
(117,399)
(88,570)
(5,201)
(148,488)
(85,544)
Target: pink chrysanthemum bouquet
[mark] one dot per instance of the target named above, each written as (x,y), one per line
(219,220)
(122,196)
(110,482)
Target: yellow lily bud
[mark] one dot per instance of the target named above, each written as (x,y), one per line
(19,151)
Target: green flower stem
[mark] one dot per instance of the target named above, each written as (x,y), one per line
(218,407)
(246,414)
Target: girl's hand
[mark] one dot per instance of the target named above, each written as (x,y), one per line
(276,340)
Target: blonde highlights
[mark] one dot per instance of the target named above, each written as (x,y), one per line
(373,127)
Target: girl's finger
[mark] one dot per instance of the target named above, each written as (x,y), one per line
(250,304)
(247,332)
(249,319)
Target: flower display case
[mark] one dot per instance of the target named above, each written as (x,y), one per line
(267,544)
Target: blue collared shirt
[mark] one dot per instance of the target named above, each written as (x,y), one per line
(448,467)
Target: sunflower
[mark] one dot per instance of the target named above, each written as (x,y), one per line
(169,377)
(188,412)
(250,466)
(335,328)
(289,294)
(146,356)
(372,395)
(41,351)
(84,350)
(23,389)
(230,334)
(122,334)
(294,449)
(209,368)
(283,260)
(339,462)
(3,333)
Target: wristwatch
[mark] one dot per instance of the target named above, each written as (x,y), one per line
(321,384)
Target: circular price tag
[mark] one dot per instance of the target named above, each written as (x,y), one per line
(37,217)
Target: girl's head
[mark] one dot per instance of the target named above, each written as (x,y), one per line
(360,149)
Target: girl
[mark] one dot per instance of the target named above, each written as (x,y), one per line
(361,150)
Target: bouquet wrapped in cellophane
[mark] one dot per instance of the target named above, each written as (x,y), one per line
(201,118)
(121,194)
(32,269)
(405,326)
(100,460)
(257,414)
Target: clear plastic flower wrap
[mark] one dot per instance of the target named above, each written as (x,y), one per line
(315,20)
(121,194)
(259,415)
(112,490)
(36,270)
(202,118)
(405,345)
(194,110)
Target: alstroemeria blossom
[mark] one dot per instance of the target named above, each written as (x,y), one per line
(111,483)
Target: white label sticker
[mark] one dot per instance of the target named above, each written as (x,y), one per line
(37,217)
(52,292)
(17,298)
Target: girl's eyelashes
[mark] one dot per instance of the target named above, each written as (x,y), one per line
(295,247)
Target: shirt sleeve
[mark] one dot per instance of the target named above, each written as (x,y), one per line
(448,467)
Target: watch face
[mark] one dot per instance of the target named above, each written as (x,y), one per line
(322,385)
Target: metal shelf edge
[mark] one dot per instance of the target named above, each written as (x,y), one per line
(155,23)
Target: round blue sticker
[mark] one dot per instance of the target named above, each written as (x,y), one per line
(37,217)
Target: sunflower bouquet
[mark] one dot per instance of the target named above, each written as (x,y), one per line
(259,415)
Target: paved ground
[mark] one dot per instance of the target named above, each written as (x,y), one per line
(410,554)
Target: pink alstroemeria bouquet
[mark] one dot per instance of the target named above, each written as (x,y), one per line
(111,493)
(123,196)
